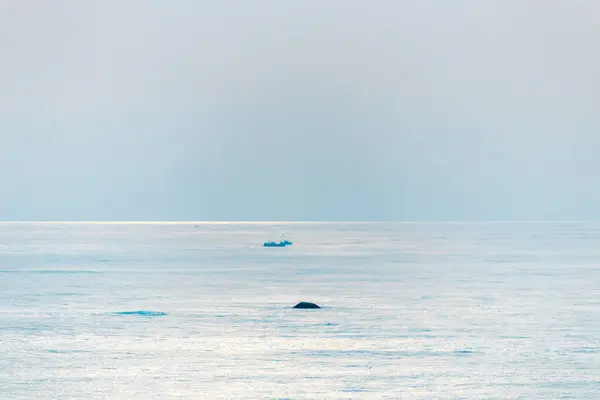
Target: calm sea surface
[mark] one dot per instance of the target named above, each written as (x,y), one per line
(203,311)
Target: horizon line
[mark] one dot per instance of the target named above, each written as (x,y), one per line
(225,222)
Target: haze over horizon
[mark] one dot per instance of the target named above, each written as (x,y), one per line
(285,110)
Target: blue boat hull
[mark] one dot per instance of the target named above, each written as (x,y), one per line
(274,245)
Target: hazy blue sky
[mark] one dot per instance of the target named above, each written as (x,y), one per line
(299,110)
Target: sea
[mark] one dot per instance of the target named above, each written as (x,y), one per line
(197,310)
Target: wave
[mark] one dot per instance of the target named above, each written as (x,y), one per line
(49,271)
(145,313)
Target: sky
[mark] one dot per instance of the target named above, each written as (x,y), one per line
(300,110)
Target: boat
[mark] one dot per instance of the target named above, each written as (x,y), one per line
(281,243)
(272,243)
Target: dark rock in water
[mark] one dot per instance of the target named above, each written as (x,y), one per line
(304,304)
